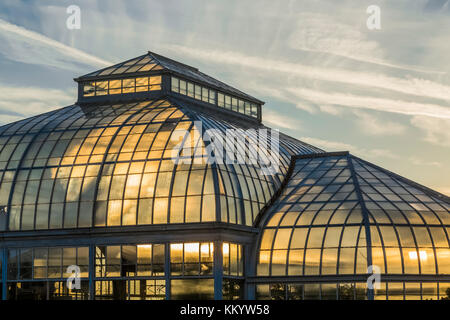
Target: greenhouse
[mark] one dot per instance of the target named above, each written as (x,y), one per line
(162,182)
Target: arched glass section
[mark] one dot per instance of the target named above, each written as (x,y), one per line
(245,188)
(130,164)
(317,226)
(409,227)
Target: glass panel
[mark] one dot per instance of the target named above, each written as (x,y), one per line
(346,291)
(175,84)
(443,258)
(312,261)
(329,291)
(410,259)
(315,237)
(282,239)
(329,261)
(183,87)
(192,289)
(266,242)
(429,291)
(312,291)
(190,90)
(221,100)
(155,83)
(412,291)
(393,260)
(426,259)
(279,260)
(395,291)
(233,289)
(89,89)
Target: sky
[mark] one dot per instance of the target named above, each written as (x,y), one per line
(327,79)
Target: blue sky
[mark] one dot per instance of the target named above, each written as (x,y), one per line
(326,78)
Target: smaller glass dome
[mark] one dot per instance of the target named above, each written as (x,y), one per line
(339,214)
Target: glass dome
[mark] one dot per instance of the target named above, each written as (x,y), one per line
(113,165)
(338,215)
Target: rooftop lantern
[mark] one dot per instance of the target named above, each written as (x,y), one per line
(151,76)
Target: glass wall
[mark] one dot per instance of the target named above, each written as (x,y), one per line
(191,259)
(125,272)
(413,291)
(129,260)
(211,96)
(238,105)
(46,290)
(192,289)
(233,260)
(42,273)
(121,86)
(233,271)
(43,263)
(192,90)
(130,289)
(139,267)
(354,291)
(196,261)
(312,291)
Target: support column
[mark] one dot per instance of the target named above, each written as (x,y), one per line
(91,272)
(167,269)
(218,270)
(4,273)
(250,259)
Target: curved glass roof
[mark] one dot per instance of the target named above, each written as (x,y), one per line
(339,214)
(113,165)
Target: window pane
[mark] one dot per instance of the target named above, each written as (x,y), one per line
(192,289)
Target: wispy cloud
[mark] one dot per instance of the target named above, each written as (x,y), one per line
(23,45)
(329,145)
(320,33)
(372,125)
(437,131)
(334,110)
(277,120)
(373,103)
(410,85)
(17,103)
